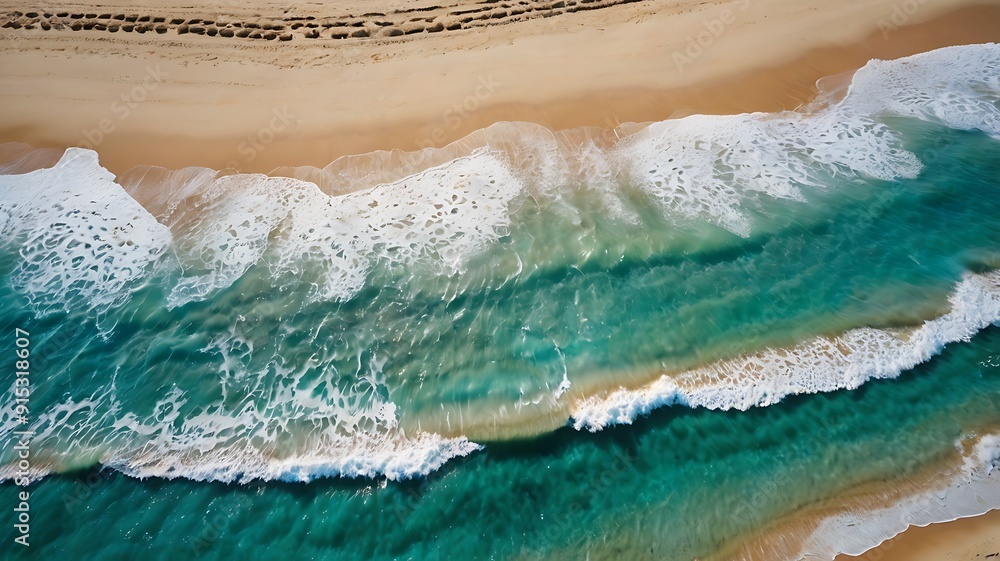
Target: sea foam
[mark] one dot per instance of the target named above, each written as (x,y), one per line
(82,240)
(820,365)
(442,215)
(710,167)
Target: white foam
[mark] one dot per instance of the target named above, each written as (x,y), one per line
(301,431)
(711,167)
(820,365)
(395,458)
(985,455)
(295,429)
(326,425)
(956,86)
(348,436)
(227,231)
(441,216)
(83,241)
(714,168)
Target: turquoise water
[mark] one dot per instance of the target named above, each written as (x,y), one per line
(676,483)
(248,365)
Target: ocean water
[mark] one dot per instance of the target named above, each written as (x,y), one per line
(659,343)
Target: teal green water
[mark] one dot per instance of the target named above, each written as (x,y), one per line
(253,368)
(675,484)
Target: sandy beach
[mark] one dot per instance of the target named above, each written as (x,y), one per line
(185,92)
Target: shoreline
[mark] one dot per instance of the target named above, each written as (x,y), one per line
(217,113)
(913,517)
(964,539)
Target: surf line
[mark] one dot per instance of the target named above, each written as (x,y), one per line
(22,395)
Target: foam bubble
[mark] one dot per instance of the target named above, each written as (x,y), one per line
(226,231)
(711,167)
(985,455)
(222,444)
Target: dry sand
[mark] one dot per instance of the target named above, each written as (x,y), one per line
(171,97)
